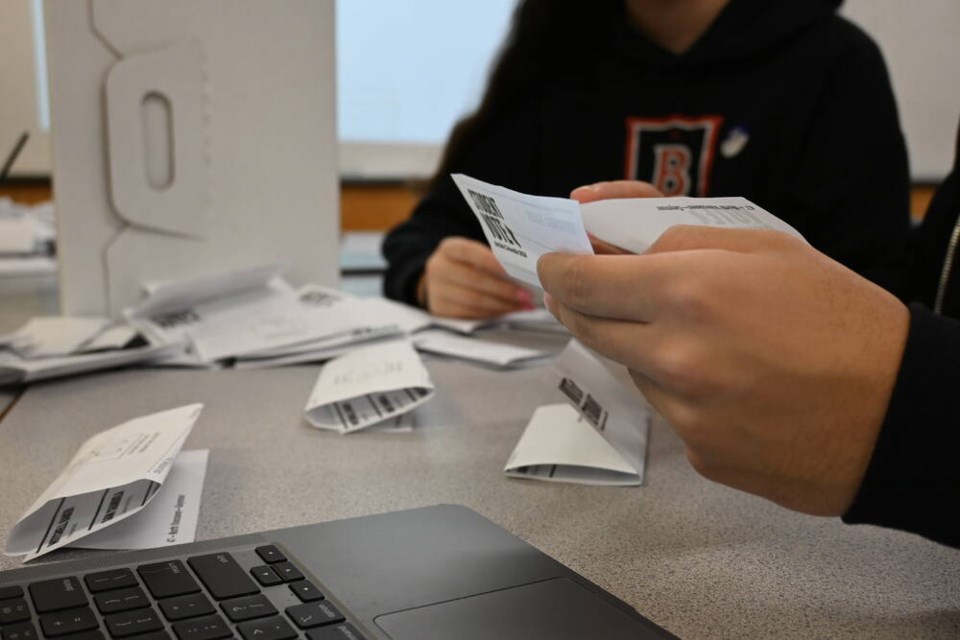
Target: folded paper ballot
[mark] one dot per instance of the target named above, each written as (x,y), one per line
(558,445)
(368,386)
(520,228)
(169,518)
(604,394)
(443,343)
(113,476)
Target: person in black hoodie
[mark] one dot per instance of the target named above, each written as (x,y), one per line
(786,374)
(784,103)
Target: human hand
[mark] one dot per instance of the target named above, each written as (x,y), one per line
(774,363)
(612,190)
(462,279)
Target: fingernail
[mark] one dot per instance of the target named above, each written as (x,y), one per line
(524,296)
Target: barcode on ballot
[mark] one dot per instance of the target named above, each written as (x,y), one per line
(589,407)
(493,219)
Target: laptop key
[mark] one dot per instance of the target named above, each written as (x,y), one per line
(19,631)
(306,591)
(275,628)
(314,614)
(287,571)
(270,554)
(132,623)
(14,611)
(206,628)
(57,594)
(107,580)
(93,634)
(168,579)
(7,593)
(248,608)
(61,623)
(222,576)
(121,600)
(265,575)
(184,607)
(345,631)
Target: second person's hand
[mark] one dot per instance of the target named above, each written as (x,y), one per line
(462,279)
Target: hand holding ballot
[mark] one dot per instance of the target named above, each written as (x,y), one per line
(774,363)
(520,228)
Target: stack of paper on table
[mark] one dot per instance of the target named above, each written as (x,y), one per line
(254,315)
(129,487)
(600,437)
(54,346)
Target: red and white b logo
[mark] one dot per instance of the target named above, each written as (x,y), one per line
(671,169)
(675,153)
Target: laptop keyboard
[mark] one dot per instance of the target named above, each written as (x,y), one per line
(255,594)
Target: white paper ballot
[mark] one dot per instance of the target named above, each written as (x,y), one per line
(113,476)
(367,386)
(559,446)
(51,336)
(17,370)
(635,223)
(520,228)
(474,349)
(604,394)
(169,518)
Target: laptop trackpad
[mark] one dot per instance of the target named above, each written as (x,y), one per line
(558,609)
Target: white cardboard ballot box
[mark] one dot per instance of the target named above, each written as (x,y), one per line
(190,138)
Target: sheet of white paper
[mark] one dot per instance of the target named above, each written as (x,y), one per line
(520,228)
(466,327)
(635,223)
(604,394)
(17,370)
(113,476)
(367,386)
(171,516)
(446,344)
(533,320)
(51,336)
(559,446)
(116,337)
(174,295)
(321,354)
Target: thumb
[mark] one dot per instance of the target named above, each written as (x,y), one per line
(613,190)
(684,237)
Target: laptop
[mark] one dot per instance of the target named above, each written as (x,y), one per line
(422,574)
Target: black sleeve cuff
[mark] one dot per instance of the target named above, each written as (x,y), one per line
(913,480)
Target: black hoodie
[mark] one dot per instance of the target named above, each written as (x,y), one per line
(913,481)
(782,102)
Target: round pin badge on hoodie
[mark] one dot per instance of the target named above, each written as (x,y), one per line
(735,142)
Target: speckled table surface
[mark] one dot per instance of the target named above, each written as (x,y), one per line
(702,560)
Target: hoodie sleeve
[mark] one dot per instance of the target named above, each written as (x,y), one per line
(913,480)
(502,153)
(852,178)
